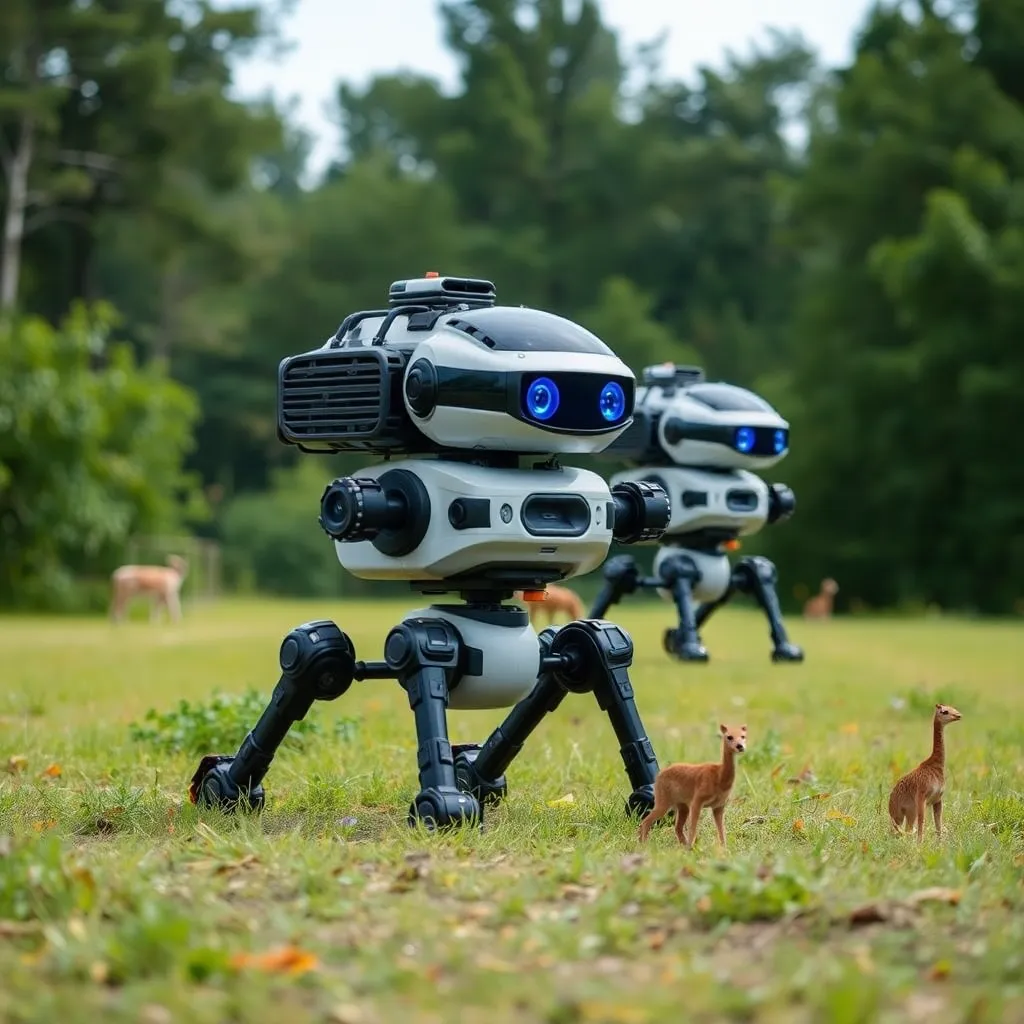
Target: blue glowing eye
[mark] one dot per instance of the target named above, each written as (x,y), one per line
(780,441)
(542,399)
(612,401)
(744,439)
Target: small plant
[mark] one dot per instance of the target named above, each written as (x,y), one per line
(221,724)
(736,893)
(766,751)
(38,883)
(922,702)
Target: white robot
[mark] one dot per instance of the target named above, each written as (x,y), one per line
(700,441)
(479,400)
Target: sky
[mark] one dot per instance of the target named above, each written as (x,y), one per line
(352,40)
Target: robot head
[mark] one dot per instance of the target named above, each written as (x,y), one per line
(445,368)
(684,419)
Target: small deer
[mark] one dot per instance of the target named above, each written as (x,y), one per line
(924,785)
(556,599)
(161,582)
(820,606)
(689,788)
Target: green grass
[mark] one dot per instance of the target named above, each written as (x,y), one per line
(119,899)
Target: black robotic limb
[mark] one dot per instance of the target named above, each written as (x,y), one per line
(756,576)
(427,656)
(679,574)
(621,578)
(318,663)
(586,656)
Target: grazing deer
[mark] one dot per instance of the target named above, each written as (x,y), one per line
(924,785)
(820,606)
(689,788)
(555,600)
(161,583)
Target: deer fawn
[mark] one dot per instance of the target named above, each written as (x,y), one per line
(689,788)
(820,606)
(924,785)
(556,599)
(161,583)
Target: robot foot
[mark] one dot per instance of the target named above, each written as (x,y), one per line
(640,802)
(441,808)
(486,791)
(212,786)
(788,652)
(683,651)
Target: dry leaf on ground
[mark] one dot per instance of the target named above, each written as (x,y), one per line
(286,960)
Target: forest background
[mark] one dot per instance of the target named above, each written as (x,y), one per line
(849,242)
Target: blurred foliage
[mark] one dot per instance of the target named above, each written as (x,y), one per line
(217,723)
(847,241)
(91,452)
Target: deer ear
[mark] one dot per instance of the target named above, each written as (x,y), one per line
(743,727)
(938,707)
(722,729)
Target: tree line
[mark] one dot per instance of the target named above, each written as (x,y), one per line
(847,241)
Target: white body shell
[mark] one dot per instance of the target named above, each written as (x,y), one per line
(510,666)
(686,404)
(446,552)
(715,572)
(486,430)
(702,499)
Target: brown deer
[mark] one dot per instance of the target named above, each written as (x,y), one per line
(924,785)
(689,788)
(162,583)
(554,600)
(820,606)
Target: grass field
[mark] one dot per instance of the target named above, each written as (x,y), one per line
(118,901)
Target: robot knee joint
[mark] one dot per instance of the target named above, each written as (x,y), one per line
(318,655)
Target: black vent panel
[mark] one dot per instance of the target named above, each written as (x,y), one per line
(339,397)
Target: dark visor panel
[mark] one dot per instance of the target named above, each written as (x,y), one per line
(512,329)
(727,398)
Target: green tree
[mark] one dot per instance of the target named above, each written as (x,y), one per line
(904,378)
(115,105)
(91,453)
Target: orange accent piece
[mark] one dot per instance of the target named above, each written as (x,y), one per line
(431,273)
(732,545)
(535,595)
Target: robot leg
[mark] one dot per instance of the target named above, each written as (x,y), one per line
(621,577)
(706,610)
(481,770)
(425,655)
(679,574)
(756,575)
(317,663)
(595,657)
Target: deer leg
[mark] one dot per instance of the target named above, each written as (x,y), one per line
(692,820)
(682,810)
(919,816)
(937,811)
(174,605)
(719,815)
(658,811)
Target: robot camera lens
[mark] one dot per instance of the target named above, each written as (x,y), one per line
(337,508)
(612,401)
(542,399)
(744,440)
(780,441)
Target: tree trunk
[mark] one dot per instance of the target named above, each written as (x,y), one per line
(18,168)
